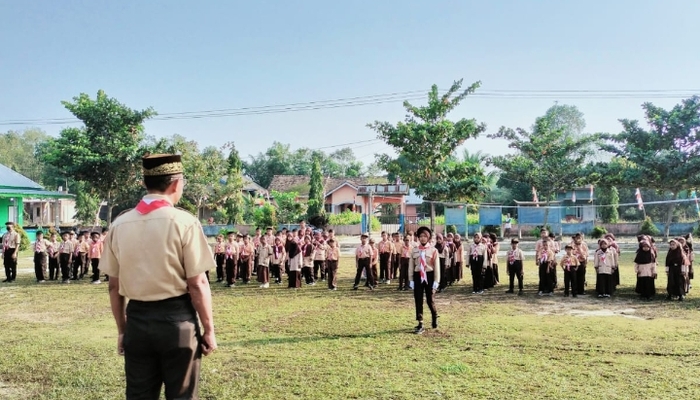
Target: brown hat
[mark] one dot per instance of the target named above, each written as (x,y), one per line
(162,164)
(426,230)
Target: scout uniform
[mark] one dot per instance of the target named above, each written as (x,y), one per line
(95,253)
(220,259)
(395,255)
(278,259)
(546,261)
(231,258)
(443,251)
(605,260)
(246,257)
(457,271)
(40,258)
(581,252)
(307,257)
(363,257)
(65,256)
(320,259)
(53,259)
(386,249)
(477,264)
(263,260)
(405,256)
(332,257)
(515,258)
(150,254)
(569,263)
(293,251)
(10,247)
(84,254)
(424,277)
(645,268)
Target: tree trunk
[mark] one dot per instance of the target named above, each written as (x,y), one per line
(109,209)
(669,215)
(546,215)
(432,217)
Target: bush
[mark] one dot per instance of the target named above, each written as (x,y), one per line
(319,221)
(473,219)
(439,220)
(495,229)
(24,239)
(347,217)
(452,229)
(538,229)
(266,216)
(648,228)
(598,232)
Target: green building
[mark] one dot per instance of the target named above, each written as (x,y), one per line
(19,193)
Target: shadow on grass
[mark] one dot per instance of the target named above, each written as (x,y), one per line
(310,339)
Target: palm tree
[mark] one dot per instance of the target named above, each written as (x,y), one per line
(481,158)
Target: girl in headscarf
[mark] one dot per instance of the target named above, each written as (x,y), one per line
(489,279)
(294,256)
(645,268)
(443,254)
(459,259)
(604,261)
(675,261)
(494,257)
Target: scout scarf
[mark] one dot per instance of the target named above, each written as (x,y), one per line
(37,247)
(146,206)
(229,252)
(475,251)
(511,257)
(278,250)
(93,248)
(602,255)
(568,263)
(543,258)
(423,264)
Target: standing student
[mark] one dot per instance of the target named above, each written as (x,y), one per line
(554,246)
(508,226)
(612,244)
(477,263)
(10,249)
(516,259)
(169,295)
(373,264)
(53,257)
(332,257)
(489,280)
(231,259)
(277,260)
(580,250)
(40,256)
(307,258)
(65,256)
(425,277)
(95,253)
(103,236)
(219,257)
(546,261)
(293,250)
(442,251)
(395,255)
(363,260)
(320,249)
(405,249)
(496,247)
(645,268)
(386,249)
(675,262)
(246,258)
(569,264)
(263,261)
(605,260)
(78,257)
(457,270)
(689,261)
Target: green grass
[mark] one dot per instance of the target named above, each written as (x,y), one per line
(59,343)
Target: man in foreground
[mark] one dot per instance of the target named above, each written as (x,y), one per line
(156,256)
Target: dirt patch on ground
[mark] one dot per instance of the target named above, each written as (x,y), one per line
(587,309)
(9,392)
(44,318)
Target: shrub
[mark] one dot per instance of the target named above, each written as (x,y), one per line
(648,228)
(347,217)
(266,216)
(452,229)
(439,220)
(24,239)
(473,219)
(598,232)
(495,229)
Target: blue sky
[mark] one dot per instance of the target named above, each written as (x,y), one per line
(189,56)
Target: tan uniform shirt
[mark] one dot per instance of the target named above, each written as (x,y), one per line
(154,254)
(515,255)
(333,254)
(264,255)
(320,252)
(581,251)
(10,240)
(364,251)
(431,261)
(41,246)
(66,247)
(569,263)
(605,261)
(278,257)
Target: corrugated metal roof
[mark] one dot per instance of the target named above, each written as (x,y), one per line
(33,194)
(10,178)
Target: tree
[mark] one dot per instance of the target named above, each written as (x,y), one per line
(105,152)
(491,177)
(427,139)
(546,159)
(17,151)
(289,209)
(265,216)
(665,157)
(316,212)
(608,195)
(567,118)
(232,191)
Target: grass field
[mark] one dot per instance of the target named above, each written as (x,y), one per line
(58,342)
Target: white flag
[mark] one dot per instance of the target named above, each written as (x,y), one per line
(638,195)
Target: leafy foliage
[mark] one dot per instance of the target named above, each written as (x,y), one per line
(598,232)
(24,243)
(425,141)
(315,206)
(289,210)
(17,152)
(665,157)
(87,206)
(265,216)
(648,228)
(609,196)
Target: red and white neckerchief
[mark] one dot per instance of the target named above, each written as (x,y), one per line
(406,251)
(511,257)
(37,247)
(50,248)
(423,263)
(229,252)
(77,249)
(543,258)
(568,263)
(146,206)
(93,248)
(278,251)
(62,247)
(475,251)
(602,256)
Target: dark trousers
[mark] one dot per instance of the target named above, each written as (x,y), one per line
(516,270)
(384,267)
(10,265)
(95,263)
(395,266)
(263,274)
(403,273)
(64,261)
(424,287)
(443,273)
(363,265)
(308,274)
(477,267)
(77,266)
(244,270)
(553,277)
(231,271)
(319,266)
(53,268)
(332,266)
(545,285)
(220,262)
(495,273)
(581,278)
(457,273)
(276,271)
(604,284)
(39,265)
(162,346)
(294,279)
(570,282)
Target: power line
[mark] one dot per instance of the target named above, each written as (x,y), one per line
(393,97)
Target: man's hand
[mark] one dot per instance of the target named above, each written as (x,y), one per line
(120,344)
(208,343)
(14,256)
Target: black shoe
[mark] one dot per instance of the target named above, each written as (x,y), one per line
(419,329)
(509,291)
(520,292)
(6,280)
(680,298)
(435,324)
(668,297)
(355,288)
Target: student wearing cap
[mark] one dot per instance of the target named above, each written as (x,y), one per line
(425,276)
(41,246)
(65,256)
(515,258)
(231,259)
(10,247)
(95,253)
(53,257)
(156,256)
(246,258)
(363,260)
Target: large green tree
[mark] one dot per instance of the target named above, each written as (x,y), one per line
(18,152)
(316,213)
(665,157)
(426,141)
(104,153)
(546,158)
(232,191)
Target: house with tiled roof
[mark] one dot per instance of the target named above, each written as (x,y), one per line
(20,196)
(341,193)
